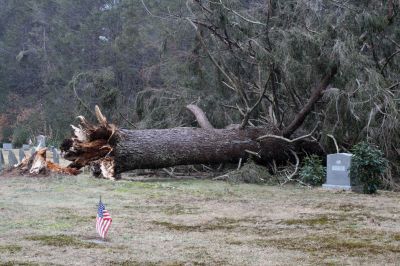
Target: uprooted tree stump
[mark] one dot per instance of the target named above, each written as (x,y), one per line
(37,165)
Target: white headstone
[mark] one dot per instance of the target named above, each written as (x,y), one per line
(12,160)
(1,158)
(56,157)
(26,147)
(7,146)
(21,155)
(41,142)
(338,171)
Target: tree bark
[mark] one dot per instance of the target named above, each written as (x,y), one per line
(159,148)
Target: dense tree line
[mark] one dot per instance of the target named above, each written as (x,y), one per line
(250,62)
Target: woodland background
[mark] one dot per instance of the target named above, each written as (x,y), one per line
(143,61)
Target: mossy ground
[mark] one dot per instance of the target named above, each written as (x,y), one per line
(50,221)
(61,241)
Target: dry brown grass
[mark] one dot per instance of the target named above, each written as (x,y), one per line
(50,221)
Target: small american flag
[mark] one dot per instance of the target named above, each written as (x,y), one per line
(103,220)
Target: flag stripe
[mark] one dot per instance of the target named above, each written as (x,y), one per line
(103,220)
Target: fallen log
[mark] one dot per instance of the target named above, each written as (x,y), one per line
(111,151)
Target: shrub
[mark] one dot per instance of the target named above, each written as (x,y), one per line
(20,136)
(251,173)
(313,172)
(367,167)
(6,133)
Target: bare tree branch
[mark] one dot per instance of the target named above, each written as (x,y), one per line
(249,111)
(201,117)
(315,96)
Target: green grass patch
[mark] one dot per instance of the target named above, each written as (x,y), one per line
(322,220)
(216,224)
(62,241)
(235,242)
(19,263)
(159,263)
(329,245)
(396,237)
(179,209)
(10,248)
(177,227)
(71,217)
(348,207)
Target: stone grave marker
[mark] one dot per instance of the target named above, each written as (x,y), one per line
(338,171)
(21,155)
(56,157)
(7,146)
(12,160)
(26,147)
(41,141)
(1,160)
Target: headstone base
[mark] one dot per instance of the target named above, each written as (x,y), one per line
(344,187)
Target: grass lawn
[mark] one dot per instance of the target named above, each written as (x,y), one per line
(51,221)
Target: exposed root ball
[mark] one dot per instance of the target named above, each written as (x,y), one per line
(91,146)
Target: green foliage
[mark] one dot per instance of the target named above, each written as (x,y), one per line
(252,173)
(313,172)
(7,133)
(20,136)
(367,166)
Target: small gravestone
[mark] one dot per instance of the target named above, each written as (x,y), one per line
(26,147)
(338,171)
(1,160)
(12,160)
(21,154)
(56,157)
(41,141)
(7,146)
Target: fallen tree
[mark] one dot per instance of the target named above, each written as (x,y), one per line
(111,151)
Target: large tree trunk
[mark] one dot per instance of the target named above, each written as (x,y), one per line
(113,151)
(158,148)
